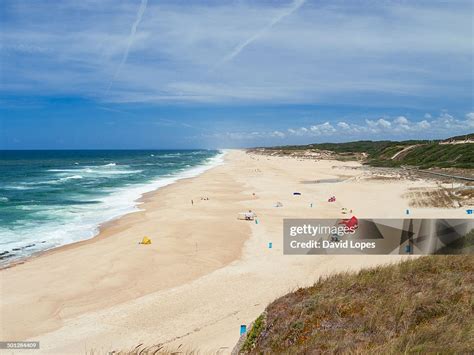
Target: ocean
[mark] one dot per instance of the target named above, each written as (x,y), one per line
(53,198)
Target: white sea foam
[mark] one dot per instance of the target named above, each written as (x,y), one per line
(65,178)
(18,187)
(116,172)
(62,170)
(73,177)
(104,170)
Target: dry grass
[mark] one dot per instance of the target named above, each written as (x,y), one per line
(424,305)
(439,198)
(466,195)
(143,349)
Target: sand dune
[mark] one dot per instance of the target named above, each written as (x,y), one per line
(205,272)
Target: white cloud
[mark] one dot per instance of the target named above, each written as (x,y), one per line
(401,120)
(470,119)
(278,134)
(343,125)
(131,37)
(334,52)
(398,128)
(287,12)
(380,123)
(384,123)
(424,124)
(320,129)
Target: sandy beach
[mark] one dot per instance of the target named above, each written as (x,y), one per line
(206,272)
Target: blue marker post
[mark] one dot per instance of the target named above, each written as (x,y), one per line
(243,329)
(408,211)
(256,221)
(270,245)
(469,211)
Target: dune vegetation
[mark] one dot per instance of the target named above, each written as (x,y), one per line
(454,152)
(423,305)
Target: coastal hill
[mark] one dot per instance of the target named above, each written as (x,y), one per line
(422,305)
(455,152)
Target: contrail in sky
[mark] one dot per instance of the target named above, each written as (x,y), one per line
(133,30)
(295,6)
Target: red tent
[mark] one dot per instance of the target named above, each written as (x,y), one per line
(352,223)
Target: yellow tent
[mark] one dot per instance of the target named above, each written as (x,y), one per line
(145,240)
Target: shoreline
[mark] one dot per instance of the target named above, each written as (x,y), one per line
(105,225)
(149,267)
(206,272)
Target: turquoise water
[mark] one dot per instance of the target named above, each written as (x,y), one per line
(52,198)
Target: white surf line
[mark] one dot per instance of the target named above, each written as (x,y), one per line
(133,30)
(240,47)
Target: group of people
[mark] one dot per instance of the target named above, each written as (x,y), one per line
(202,199)
(249,215)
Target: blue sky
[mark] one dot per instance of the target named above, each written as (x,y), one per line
(215,74)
